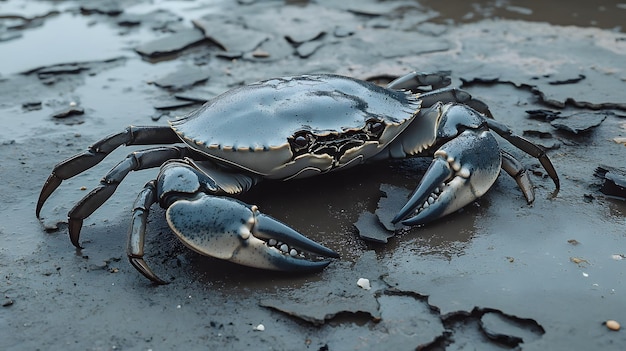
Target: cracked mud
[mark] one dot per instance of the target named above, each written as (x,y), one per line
(498,274)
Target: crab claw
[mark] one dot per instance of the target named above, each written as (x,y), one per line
(231,230)
(463,169)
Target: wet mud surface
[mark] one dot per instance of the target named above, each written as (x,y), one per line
(499,274)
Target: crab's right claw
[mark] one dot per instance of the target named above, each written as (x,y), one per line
(234,231)
(463,170)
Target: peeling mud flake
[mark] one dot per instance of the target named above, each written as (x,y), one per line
(566,80)
(370,228)
(390,204)
(68,112)
(305,35)
(614,181)
(271,50)
(579,122)
(230,37)
(320,301)
(342,32)
(409,321)
(172,104)
(159,19)
(543,114)
(509,330)
(109,8)
(171,44)
(32,105)
(309,48)
(183,78)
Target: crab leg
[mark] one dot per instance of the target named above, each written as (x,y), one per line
(526,146)
(463,169)
(137,233)
(445,95)
(415,80)
(218,226)
(133,162)
(516,170)
(99,150)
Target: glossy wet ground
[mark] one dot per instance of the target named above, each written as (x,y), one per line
(498,275)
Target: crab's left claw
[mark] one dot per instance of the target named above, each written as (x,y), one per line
(463,169)
(231,230)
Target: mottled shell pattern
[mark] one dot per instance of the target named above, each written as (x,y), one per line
(298,126)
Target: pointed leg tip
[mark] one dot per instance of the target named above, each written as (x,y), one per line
(74,229)
(143,268)
(51,184)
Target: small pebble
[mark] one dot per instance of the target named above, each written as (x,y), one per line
(364,283)
(259,327)
(83,188)
(612,325)
(260,53)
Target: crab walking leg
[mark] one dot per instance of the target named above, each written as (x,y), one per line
(463,97)
(415,80)
(137,233)
(446,95)
(99,150)
(527,146)
(133,162)
(516,170)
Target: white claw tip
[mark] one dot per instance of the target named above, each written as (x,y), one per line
(464,172)
(244,233)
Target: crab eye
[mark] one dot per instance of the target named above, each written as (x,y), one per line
(375,127)
(301,140)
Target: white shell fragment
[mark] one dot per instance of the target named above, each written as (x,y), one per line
(364,283)
(259,327)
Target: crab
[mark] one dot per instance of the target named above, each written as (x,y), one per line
(291,128)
